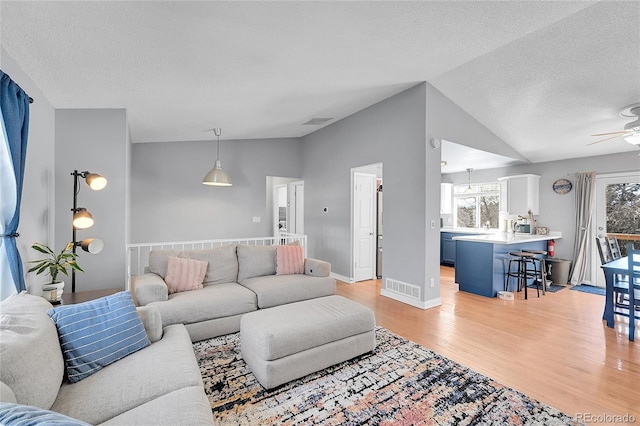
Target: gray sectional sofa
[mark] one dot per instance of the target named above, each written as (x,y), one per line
(160,384)
(239,279)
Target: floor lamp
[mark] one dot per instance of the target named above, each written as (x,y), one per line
(82,219)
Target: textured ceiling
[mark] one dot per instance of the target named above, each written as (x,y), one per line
(542,76)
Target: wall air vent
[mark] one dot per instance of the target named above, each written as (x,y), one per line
(316,121)
(405,289)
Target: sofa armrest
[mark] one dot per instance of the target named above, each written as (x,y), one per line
(317,268)
(147,288)
(152,321)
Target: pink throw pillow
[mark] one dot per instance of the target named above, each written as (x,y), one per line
(289,260)
(185,274)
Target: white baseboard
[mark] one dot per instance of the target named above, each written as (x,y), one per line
(427,304)
(342,278)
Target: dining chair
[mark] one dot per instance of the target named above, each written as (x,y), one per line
(620,283)
(634,286)
(614,247)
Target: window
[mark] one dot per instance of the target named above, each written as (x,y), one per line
(477,205)
(623,213)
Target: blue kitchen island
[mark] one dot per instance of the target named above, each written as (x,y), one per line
(482,260)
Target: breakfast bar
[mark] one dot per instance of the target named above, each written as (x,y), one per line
(482,260)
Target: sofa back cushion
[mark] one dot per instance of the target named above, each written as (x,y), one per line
(223,263)
(159,261)
(255,261)
(32,363)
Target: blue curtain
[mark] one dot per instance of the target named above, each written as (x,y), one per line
(14,106)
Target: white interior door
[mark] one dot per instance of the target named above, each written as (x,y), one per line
(364,238)
(603,209)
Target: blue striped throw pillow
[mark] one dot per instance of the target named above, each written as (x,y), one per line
(97,333)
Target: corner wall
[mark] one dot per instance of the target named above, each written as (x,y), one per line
(94,140)
(391,132)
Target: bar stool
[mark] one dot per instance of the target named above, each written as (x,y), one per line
(540,268)
(522,259)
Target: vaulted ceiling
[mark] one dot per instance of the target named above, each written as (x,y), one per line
(542,75)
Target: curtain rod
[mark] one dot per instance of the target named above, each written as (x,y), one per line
(30,100)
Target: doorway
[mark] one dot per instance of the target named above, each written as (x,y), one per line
(285,201)
(366,222)
(617,207)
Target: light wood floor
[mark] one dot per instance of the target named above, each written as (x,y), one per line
(555,348)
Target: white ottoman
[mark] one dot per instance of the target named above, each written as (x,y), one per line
(287,342)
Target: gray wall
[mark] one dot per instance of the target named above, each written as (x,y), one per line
(556,211)
(445,120)
(391,132)
(94,140)
(169,202)
(38,190)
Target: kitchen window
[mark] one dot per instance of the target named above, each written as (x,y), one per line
(476,205)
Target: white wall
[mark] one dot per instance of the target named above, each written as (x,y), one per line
(94,140)
(170,203)
(38,190)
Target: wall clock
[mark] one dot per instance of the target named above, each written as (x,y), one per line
(562,186)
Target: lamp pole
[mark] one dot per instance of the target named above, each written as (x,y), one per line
(81,218)
(75,175)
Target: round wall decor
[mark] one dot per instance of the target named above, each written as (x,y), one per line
(562,186)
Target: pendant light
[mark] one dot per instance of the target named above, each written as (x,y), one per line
(469,189)
(217,176)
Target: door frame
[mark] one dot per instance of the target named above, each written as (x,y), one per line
(366,170)
(600,213)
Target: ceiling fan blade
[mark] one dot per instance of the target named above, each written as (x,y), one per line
(604,140)
(610,133)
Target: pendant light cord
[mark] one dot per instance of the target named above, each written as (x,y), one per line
(217,132)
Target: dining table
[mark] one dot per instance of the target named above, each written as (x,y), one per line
(611,269)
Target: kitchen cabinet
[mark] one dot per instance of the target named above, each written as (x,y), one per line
(447,249)
(446,201)
(482,260)
(519,194)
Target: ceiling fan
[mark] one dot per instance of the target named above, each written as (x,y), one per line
(631,132)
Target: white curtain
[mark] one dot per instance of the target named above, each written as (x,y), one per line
(7,209)
(583,241)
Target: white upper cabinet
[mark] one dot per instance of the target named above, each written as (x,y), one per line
(519,194)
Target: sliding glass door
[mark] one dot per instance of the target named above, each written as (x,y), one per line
(617,212)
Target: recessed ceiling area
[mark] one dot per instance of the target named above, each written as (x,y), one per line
(459,158)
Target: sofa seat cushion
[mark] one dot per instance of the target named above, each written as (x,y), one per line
(210,302)
(156,370)
(186,406)
(30,355)
(274,290)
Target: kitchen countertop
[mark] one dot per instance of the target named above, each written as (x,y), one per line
(467,231)
(508,237)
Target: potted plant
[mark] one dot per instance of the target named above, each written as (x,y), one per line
(54,264)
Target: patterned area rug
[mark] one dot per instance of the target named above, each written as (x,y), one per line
(400,383)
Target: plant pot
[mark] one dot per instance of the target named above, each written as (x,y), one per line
(53,291)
